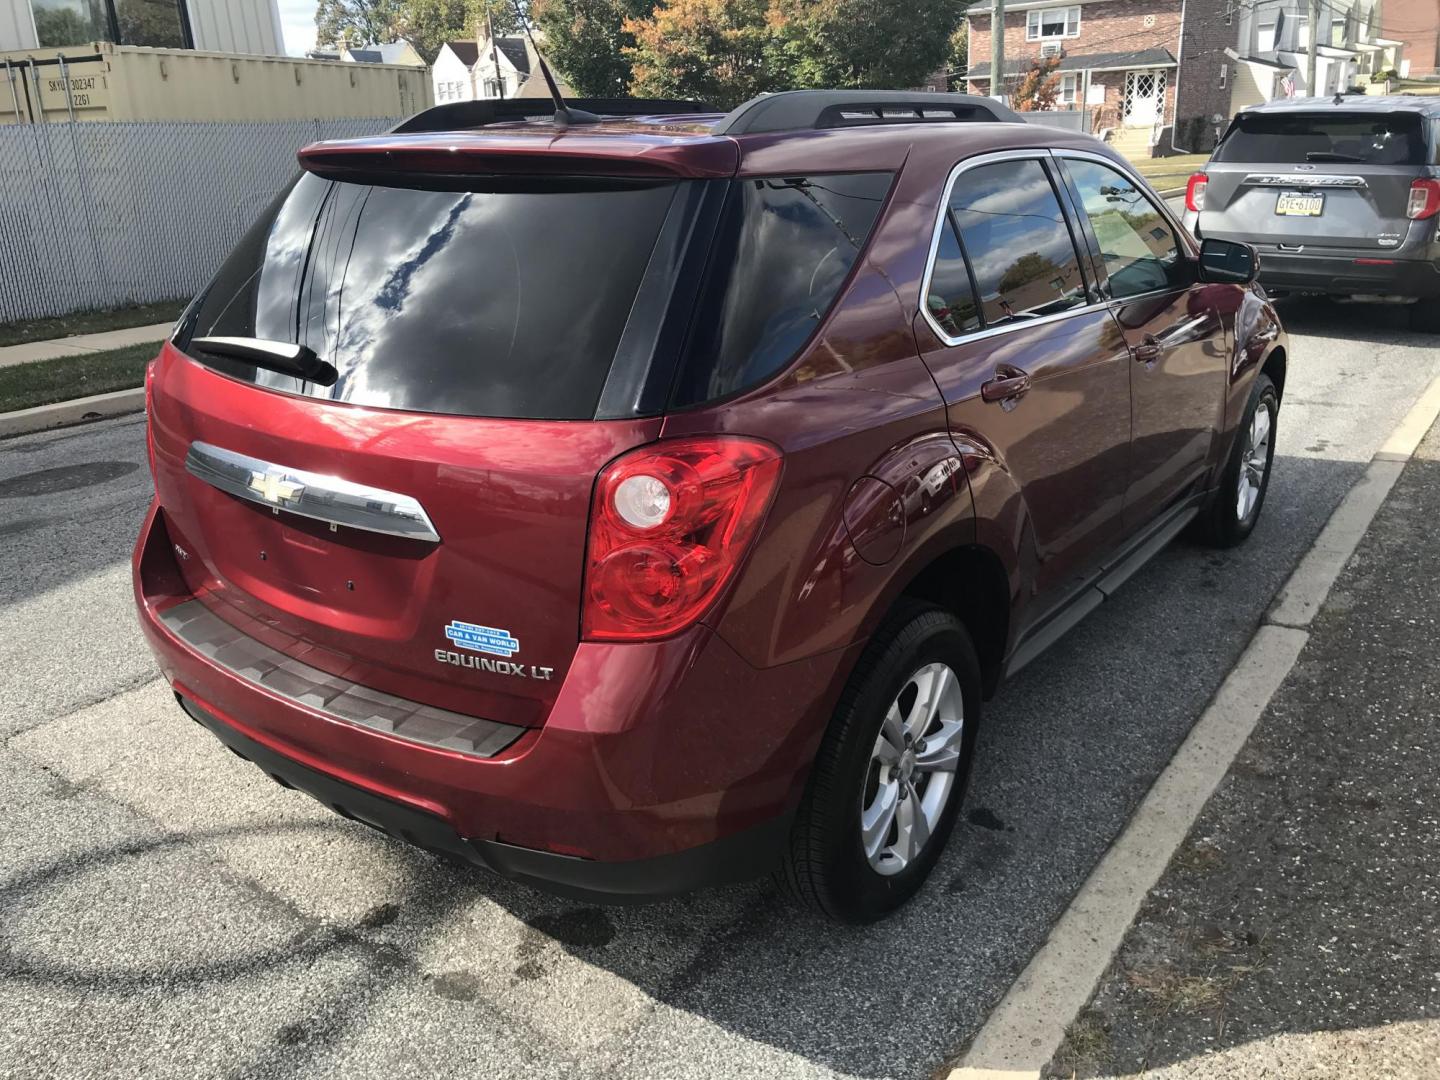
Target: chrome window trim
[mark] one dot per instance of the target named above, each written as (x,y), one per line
(312,495)
(992,331)
(1175,228)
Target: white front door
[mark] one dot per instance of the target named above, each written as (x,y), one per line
(1144,98)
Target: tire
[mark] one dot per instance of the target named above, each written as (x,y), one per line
(1425,316)
(826,866)
(1231,517)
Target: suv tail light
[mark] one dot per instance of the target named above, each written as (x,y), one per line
(1195,192)
(668,526)
(1424,199)
(150,416)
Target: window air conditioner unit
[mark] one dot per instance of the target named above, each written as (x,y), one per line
(1049,49)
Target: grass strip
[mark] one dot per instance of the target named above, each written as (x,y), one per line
(89,322)
(23,386)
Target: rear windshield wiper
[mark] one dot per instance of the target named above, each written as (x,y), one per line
(286,357)
(1331,155)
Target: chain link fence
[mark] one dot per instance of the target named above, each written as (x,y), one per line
(102,215)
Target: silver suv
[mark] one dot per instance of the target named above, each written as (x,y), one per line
(1339,195)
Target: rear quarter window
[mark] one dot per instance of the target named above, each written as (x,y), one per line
(783,248)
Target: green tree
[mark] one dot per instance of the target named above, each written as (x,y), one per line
(863,43)
(356,22)
(959,62)
(588,41)
(719,51)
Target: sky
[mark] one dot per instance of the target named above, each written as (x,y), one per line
(297,17)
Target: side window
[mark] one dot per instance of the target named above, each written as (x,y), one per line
(1140,252)
(1021,255)
(783,248)
(951,297)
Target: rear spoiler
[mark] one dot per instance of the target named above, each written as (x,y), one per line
(580,152)
(462,115)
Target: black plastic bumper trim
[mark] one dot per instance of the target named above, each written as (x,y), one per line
(739,857)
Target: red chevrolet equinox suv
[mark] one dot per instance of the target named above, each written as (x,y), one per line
(647,502)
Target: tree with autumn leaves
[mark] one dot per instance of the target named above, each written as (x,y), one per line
(721,51)
(726,51)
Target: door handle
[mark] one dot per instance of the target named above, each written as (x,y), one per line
(1148,351)
(1008,386)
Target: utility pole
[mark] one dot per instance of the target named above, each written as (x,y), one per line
(494,55)
(997,50)
(1313,7)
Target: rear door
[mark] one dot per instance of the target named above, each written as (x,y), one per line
(1176,337)
(1312,181)
(472,331)
(1029,360)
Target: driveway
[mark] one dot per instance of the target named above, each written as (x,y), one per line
(166,910)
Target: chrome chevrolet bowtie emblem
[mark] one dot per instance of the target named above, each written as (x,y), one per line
(274,487)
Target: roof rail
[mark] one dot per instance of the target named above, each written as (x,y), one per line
(801,110)
(460,115)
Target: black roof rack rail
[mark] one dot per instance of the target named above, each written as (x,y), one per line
(460,115)
(802,110)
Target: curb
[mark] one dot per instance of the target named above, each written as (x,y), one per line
(1027,1026)
(75,411)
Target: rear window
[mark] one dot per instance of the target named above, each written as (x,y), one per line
(500,303)
(1290,139)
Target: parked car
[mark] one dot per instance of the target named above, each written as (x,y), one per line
(642,504)
(1339,196)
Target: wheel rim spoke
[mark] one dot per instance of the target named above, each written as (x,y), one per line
(877,819)
(913,826)
(942,749)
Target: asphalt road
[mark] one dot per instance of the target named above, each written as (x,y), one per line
(167,911)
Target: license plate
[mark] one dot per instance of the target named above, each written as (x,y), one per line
(1300,204)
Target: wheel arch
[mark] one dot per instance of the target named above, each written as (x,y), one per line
(971,582)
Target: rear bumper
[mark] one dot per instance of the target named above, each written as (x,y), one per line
(733,858)
(662,766)
(1345,276)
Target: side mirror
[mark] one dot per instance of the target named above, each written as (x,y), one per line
(1228,262)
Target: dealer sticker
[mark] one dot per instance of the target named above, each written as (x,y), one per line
(486,639)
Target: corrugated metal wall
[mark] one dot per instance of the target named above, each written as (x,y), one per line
(105,215)
(17,28)
(236,26)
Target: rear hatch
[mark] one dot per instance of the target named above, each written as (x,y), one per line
(1323,179)
(428,499)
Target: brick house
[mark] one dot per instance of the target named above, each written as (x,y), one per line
(1118,61)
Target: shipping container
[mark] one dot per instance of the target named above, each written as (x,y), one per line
(123,82)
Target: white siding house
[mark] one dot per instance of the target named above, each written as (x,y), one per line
(451,76)
(225,26)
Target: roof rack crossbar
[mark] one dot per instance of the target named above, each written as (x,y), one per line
(462,115)
(802,110)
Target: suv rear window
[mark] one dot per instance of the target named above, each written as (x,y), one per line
(500,303)
(513,302)
(1292,139)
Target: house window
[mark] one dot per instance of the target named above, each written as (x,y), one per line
(1224,75)
(1052,23)
(1069,89)
(1266,36)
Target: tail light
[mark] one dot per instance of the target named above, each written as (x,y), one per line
(150,416)
(1195,192)
(669,525)
(1424,200)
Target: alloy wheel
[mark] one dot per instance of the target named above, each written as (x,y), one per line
(913,768)
(1254,463)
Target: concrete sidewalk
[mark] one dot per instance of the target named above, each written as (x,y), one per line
(1296,932)
(82,343)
